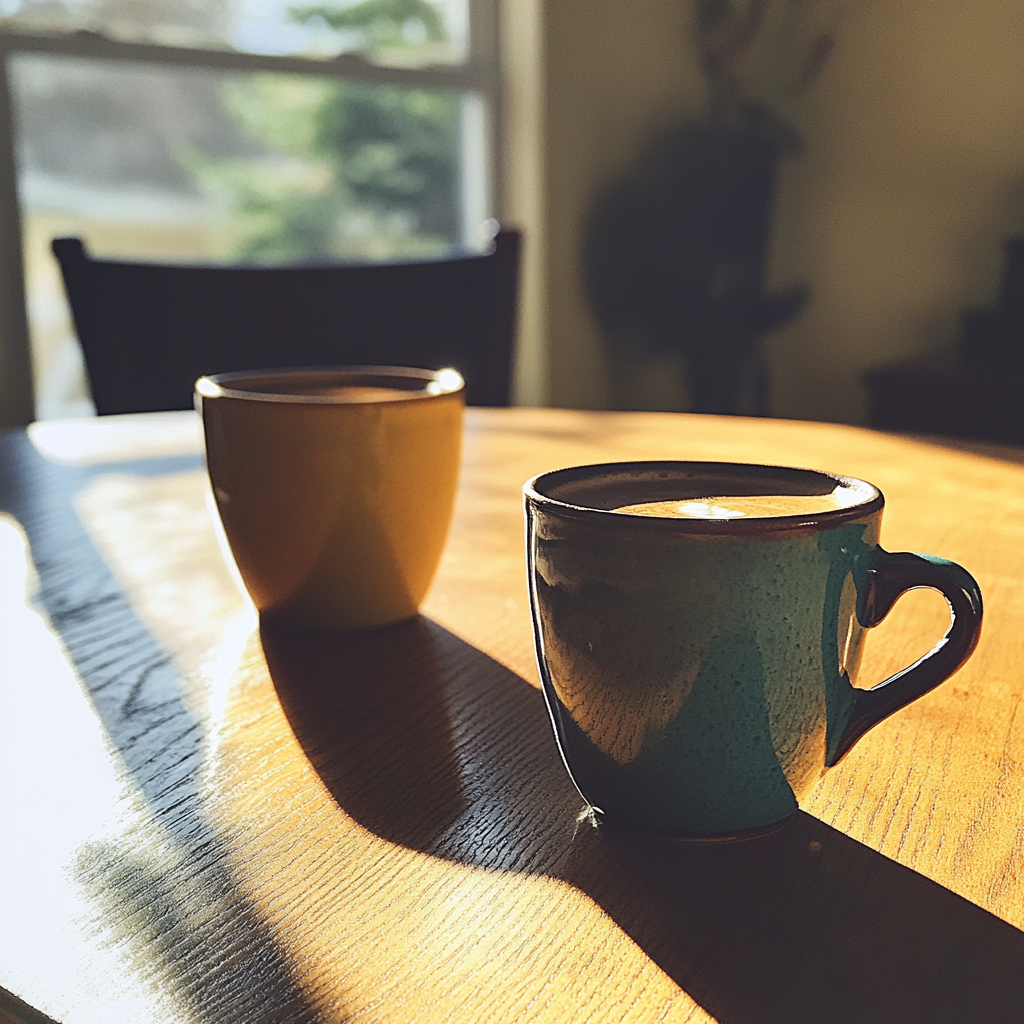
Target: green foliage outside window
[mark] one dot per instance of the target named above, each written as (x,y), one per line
(343,168)
(383,23)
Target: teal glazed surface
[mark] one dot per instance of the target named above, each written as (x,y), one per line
(699,679)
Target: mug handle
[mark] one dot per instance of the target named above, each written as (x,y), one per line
(891,574)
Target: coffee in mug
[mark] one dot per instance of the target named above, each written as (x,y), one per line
(335,486)
(699,629)
(737,506)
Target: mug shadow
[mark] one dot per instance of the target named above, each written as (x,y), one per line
(374,723)
(429,743)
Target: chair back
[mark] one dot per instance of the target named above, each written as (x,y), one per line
(147,331)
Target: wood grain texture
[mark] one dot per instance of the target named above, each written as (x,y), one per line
(203,822)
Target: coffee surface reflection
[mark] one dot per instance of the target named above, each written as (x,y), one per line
(739,506)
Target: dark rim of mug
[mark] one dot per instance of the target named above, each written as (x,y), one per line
(721,527)
(218,385)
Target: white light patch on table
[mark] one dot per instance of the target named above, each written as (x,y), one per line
(98,439)
(48,812)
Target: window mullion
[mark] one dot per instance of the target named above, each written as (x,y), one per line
(17,402)
(474,75)
(479,75)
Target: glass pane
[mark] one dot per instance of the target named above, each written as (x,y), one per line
(180,164)
(393,32)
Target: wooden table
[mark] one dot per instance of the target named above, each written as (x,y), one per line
(202,824)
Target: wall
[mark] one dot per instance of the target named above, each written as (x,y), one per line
(615,72)
(520,199)
(608,72)
(913,172)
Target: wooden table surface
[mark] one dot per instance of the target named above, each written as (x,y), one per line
(203,824)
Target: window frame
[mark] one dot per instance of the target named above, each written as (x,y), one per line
(478,74)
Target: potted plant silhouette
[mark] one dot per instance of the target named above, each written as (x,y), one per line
(675,254)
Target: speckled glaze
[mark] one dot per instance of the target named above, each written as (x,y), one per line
(699,673)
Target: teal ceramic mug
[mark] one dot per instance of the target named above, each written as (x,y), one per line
(698,662)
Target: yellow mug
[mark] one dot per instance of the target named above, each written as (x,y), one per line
(335,486)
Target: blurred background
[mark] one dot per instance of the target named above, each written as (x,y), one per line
(143,158)
(728,205)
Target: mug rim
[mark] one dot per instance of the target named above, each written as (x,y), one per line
(218,385)
(721,527)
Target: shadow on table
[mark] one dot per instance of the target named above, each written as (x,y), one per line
(803,925)
(989,449)
(189,934)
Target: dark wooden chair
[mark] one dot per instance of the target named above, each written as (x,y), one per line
(148,331)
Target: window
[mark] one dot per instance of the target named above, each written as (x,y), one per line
(241,130)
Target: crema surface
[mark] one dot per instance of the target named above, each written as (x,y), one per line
(755,506)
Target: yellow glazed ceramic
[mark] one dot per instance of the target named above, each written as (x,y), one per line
(335,486)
